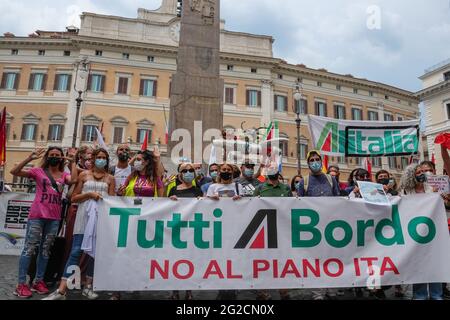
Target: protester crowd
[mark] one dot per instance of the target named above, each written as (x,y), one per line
(69,186)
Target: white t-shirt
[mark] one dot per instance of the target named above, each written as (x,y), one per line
(224,190)
(121,175)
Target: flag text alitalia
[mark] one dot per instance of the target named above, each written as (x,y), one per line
(303,235)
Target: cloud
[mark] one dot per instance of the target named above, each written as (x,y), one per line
(321,34)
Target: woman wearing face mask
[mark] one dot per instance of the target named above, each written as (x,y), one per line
(44,216)
(91,187)
(414,181)
(359,175)
(144,181)
(185,190)
(295,184)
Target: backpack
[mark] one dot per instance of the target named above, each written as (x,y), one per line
(306,182)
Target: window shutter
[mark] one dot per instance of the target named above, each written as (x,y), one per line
(305,102)
(247,98)
(275,103)
(60,134)
(44,83)
(83,134)
(141,88)
(103,83)
(49,132)
(31,81)
(69,83)
(155,88)
(55,85)
(285,105)
(22,136)
(326,111)
(89,82)
(317,108)
(138,134)
(345,113)
(3,84)
(259,98)
(35,132)
(16,82)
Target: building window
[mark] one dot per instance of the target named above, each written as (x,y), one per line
(303,151)
(280,103)
(388,117)
(355,91)
(357,114)
(358,161)
(122,86)
(55,132)
(405,162)
(14,52)
(98,53)
(371,93)
(141,135)
(339,112)
(321,109)
(229,95)
(148,88)
(338,87)
(254,70)
(319,84)
(386,97)
(89,133)
(118,135)
(37,81)
(10,81)
(29,132)
(447,76)
(96,83)
(280,76)
(392,162)
(341,160)
(62,82)
(150,59)
(284,146)
(41,52)
(372,115)
(448,111)
(253,98)
(230,67)
(376,162)
(67,53)
(126,56)
(303,105)
(399,118)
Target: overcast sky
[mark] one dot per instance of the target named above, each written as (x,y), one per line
(381,40)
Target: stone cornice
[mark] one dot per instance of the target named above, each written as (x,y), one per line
(434,90)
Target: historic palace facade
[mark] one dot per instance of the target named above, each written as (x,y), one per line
(127,88)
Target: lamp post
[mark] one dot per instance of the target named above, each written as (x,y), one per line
(83,68)
(297,107)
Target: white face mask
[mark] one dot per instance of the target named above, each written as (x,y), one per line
(138,165)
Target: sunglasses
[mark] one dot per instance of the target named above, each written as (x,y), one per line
(186,171)
(315,160)
(363,177)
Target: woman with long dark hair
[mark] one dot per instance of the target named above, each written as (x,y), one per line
(92,186)
(44,217)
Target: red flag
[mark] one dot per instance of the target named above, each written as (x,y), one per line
(145,143)
(433,158)
(444,139)
(368,166)
(325,164)
(3,137)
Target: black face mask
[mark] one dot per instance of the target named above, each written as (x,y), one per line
(53,161)
(124,156)
(422,178)
(274,177)
(384,182)
(225,176)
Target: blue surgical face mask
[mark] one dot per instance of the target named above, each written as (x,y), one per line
(249,173)
(297,185)
(188,177)
(214,174)
(316,166)
(100,163)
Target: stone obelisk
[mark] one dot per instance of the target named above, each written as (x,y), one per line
(197,90)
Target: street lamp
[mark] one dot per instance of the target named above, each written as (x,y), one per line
(297,106)
(83,69)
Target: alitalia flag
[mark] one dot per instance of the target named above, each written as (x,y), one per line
(364,138)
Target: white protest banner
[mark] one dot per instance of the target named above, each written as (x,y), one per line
(364,138)
(440,183)
(269,243)
(14,209)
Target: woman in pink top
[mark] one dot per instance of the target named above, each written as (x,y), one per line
(44,216)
